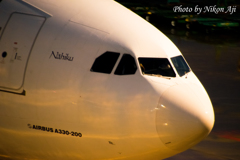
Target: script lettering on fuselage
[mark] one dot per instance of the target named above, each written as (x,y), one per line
(59,131)
(62,56)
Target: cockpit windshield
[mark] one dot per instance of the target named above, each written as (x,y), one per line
(156,67)
(180,65)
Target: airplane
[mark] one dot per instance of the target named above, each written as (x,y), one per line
(91,80)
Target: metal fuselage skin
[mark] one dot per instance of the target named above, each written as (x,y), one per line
(53,107)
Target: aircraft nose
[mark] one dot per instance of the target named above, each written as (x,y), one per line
(184,116)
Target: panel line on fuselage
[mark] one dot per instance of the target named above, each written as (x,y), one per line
(88,26)
(23,92)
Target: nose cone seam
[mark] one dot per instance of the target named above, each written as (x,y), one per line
(182,119)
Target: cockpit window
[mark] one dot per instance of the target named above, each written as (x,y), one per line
(156,67)
(180,65)
(105,62)
(126,66)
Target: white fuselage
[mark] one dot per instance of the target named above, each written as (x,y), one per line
(54,104)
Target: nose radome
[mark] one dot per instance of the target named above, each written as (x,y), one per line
(184,116)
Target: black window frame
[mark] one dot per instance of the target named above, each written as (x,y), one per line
(180,65)
(122,64)
(156,67)
(105,62)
